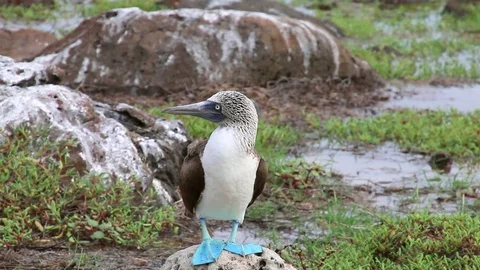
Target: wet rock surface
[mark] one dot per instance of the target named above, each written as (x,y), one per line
(158,53)
(265,6)
(121,141)
(268,260)
(24,43)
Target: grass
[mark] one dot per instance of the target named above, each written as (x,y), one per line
(36,12)
(100,6)
(468,23)
(448,132)
(410,42)
(44,198)
(419,241)
(40,12)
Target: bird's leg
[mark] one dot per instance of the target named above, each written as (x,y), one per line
(240,249)
(203,225)
(209,250)
(233,234)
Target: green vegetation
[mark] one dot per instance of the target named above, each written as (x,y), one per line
(419,241)
(43,197)
(467,23)
(410,42)
(426,131)
(36,12)
(40,12)
(100,6)
(361,27)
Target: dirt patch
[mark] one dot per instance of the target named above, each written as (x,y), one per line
(285,100)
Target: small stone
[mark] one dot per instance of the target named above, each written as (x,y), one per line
(139,262)
(441,162)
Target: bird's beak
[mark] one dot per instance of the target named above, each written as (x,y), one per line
(205,109)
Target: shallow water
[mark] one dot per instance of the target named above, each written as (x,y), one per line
(399,182)
(462,98)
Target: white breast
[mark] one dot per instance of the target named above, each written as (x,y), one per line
(230,175)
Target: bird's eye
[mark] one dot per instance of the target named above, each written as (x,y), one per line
(217,107)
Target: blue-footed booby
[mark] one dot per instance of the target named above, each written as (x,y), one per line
(224,175)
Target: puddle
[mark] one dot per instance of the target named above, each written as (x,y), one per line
(399,182)
(462,98)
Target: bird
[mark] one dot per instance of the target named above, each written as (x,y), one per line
(222,176)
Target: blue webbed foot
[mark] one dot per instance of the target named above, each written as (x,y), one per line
(243,250)
(208,251)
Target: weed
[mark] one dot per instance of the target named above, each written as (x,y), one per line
(100,6)
(422,131)
(36,12)
(419,241)
(358,27)
(40,12)
(467,24)
(43,196)
(425,43)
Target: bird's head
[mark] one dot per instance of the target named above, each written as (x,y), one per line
(224,108)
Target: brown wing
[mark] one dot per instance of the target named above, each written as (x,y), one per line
(192,177)
(260,180)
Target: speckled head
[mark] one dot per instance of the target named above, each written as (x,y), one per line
(227,108)
(237,108)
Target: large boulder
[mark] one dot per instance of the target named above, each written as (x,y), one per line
(158,53)
(118,140)
(271,7)
(24,43)
(268,260)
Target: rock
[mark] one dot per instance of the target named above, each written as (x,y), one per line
(441,162)
(271,7)
(24,43)
(269,260)
(459,7)
(27,74)
(26,3)
(158,53)
(121,141)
